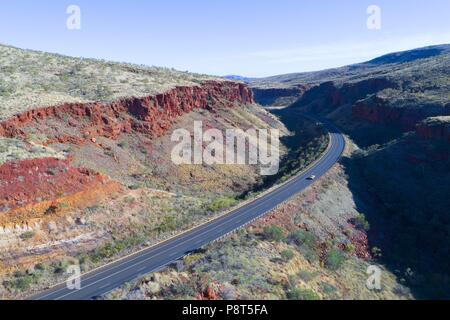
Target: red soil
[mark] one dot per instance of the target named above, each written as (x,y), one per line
(33,181)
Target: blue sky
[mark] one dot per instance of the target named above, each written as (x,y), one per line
(245,37)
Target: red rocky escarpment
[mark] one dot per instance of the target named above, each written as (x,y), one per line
(406,118)
(41,188)
(438,129)
(379,112)
(152,115)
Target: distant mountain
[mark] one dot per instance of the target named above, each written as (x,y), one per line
(368,69)
(239,78)
(410,55)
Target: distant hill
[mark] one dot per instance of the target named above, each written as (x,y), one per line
(378,66)
(417,80)
(239,78)
(34,79)
(411,55)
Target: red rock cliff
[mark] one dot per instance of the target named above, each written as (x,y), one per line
(34,189)
(438,130)
(378,112)
(152,115)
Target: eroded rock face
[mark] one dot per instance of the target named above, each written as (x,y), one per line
(379,112)
(152,115)
(40,187)
(366,105)
(439,131)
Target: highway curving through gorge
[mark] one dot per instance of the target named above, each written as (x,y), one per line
(103,280)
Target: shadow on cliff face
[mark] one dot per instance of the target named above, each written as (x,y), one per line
(403,189)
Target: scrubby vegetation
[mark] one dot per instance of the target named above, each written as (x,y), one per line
(287,255)
(22,281)
(362,223)
(15,150)
(295,253)
(334,259)
(302,294)
(274,233)
(436,121)
(34,79)
(247,266)
(411,187)
(319,249)
(221,203)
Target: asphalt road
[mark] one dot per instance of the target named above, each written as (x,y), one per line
(112,276)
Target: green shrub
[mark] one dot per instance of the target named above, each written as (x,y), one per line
(27,235)
(302,294)
(65,78)
(287,255)
(113,248)
(350,248)
(376,252)
(221,203)
(306,275)
(21,284)
(6,90)
(61,267)
(302,237)
(334,259)
(102,92)
(169,224)
(135,186)
(306,243)
(274,233)
(123,144)
(361,223)
(328,289)
(22,281)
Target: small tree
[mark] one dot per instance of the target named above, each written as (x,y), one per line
(361,223)
(302,237)
(334,260)
(302,294)
(287,255)
(274,233)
